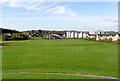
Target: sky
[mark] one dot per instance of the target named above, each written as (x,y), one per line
(79,16)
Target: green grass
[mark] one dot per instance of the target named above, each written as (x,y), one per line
(61,56)
(4,43)
(42,76)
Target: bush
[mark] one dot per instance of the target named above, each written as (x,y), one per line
(3,37)
(105,40)
(110,40)
(92,39)
(115,42)
(89,38)
(15,36)
(36,38)
(85,38)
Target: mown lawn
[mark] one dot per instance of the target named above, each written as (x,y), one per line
(61,56)
(4,43)
(43,76)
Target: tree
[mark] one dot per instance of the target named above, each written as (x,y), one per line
(40,31)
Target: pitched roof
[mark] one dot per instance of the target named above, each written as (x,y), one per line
(92,34)
(106,34)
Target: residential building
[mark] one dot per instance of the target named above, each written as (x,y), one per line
(99,35)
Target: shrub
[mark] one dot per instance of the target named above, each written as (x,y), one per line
(115,42)
(85,38)
(105,40)
(93,39)
(15,36)
(89,38)
(3,37)
(110,40)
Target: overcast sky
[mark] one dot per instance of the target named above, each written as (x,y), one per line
(60,15)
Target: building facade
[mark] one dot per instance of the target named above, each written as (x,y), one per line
(98,35)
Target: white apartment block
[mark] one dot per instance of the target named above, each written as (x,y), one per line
(92,34)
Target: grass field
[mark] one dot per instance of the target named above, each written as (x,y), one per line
(42,76)
(4,43)
(60,56)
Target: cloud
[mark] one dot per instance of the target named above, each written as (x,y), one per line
(107,20)
(13,4)
(33,6)
(73,14)
(41,6)
(114,20)
(58,9)
(28,4)
(77,22)
(61,10)
(54,3)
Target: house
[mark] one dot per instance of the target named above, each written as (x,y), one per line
(6,34)
(99,35)
(85,34)
(114,37)
(70,34)
(76,34)
(80,34)
(91,35)
(92,32)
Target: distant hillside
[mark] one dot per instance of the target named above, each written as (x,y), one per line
(8,31)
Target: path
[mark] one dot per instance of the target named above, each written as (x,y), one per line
(82,75)
(13,44)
